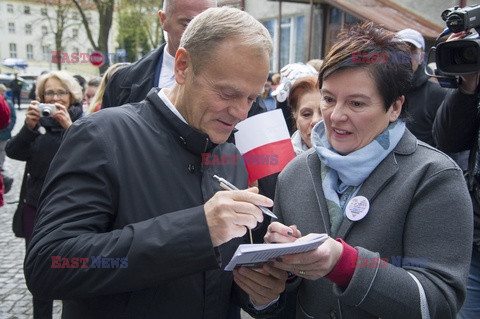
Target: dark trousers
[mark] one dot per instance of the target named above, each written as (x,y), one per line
(16,96)
(42,309)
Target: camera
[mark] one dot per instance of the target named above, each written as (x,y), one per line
(460,56)
(47,109)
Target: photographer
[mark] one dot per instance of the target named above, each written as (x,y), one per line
(457,128)
(38,142)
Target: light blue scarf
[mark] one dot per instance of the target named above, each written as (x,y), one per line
(343,174)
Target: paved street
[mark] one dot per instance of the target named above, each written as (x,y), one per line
(15,299)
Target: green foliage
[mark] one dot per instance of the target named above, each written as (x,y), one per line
(139,27)
(132,37)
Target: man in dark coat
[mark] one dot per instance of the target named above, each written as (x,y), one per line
(425,96)
(16,87)
(129,206)
(457,128)
(132,83)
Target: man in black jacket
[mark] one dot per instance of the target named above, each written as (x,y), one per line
(425,96)
(457,128)
(132,83)
(129,206)
(16,89)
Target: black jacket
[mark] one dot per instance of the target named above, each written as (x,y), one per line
(457,128)
(423,101)
(38,151)
(132,83)
(128,183)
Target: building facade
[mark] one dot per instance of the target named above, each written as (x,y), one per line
(29,30)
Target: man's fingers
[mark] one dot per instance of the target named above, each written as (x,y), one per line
(251,197)
(247,220)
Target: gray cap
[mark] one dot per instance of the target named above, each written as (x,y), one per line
(413,37)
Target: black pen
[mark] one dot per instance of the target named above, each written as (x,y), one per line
(229,186)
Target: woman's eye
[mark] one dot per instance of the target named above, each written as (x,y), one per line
(328,99)
(356,103)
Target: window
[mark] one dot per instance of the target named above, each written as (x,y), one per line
(43,11)
(11,27)
(26,9)
(13,50)
(47,54)
(44,30)
(75,33)
(76,50)
(337,20)
(74,15)
(29,52)
(292,40)
(28,29)
(10,8)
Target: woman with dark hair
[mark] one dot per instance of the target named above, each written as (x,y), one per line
(37,143)
(398,208)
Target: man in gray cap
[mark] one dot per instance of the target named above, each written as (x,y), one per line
(425,96)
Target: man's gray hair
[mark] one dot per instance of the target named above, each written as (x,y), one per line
(213,26)
(169,5)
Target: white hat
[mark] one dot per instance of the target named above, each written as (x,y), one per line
(413,37)
(288,75)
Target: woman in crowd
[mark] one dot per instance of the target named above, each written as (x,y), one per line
(38,141)
(398,208)
(96,103)
(304,101)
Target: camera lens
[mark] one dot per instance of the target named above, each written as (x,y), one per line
(46,111)
(466,55)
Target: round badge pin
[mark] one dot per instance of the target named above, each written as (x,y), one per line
(357,208)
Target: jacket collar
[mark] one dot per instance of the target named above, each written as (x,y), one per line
(195,141)
(372,185)
(144,68)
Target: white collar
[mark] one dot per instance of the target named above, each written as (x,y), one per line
(163,96)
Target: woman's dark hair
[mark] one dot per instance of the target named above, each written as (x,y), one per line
(377,50)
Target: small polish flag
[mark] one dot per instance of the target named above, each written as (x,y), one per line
(265,145)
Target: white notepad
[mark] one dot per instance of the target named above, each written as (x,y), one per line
(252,255)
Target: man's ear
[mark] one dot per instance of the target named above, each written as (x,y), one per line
(162,17)
(182,65)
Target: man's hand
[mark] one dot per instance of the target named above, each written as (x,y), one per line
(230,213)
(263,285)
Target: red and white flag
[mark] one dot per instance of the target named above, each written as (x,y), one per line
(265,145)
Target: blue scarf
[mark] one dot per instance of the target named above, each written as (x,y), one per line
(342,175)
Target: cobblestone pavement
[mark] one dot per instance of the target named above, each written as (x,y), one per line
(15,299)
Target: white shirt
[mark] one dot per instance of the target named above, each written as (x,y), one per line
(162,95)
(167,76)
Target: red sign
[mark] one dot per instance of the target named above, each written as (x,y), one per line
(96,58)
